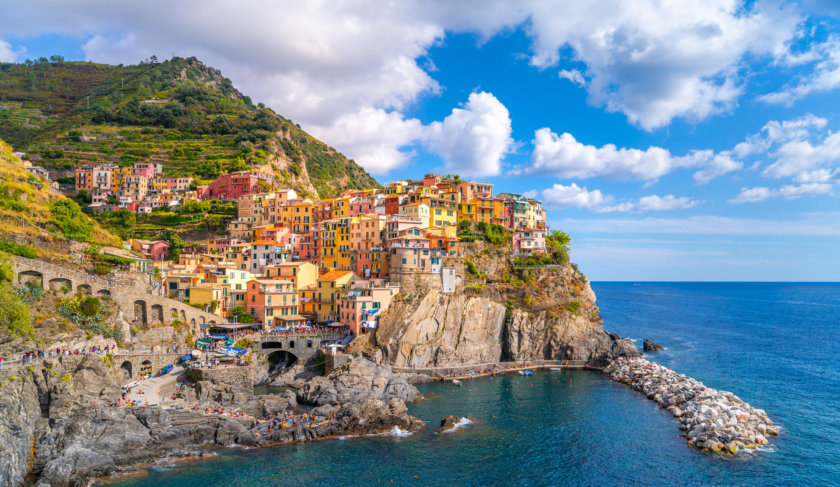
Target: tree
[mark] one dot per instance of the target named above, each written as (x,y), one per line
(176,244)
(240,315)
(83,197)
(558,245)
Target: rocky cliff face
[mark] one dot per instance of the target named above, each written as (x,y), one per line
(515,314)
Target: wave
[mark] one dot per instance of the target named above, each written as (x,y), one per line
(396,432)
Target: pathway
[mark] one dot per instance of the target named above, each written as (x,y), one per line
(150,388)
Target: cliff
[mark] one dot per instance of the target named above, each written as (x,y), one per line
(499,312)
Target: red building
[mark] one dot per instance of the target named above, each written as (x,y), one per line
(232,186)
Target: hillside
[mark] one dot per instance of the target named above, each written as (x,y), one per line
(179,112)
(37,222)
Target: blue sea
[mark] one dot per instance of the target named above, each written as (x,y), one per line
(774,345)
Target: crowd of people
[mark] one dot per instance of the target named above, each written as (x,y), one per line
(37,356)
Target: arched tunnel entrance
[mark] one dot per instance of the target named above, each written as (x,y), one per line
(125,369)
(281,359)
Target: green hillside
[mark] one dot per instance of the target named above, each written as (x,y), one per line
(179,112)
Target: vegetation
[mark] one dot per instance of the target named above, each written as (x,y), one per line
(68,218)
(179,112)
(27,251)
(89,314)
(240,315)
(557,244)
(14,313)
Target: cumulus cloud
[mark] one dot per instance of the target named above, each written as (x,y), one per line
(824,76)
(718,166)
(7,54)
(789,192)
(564,157)
(561,196)
(375,136)
(693,47)
(474,139)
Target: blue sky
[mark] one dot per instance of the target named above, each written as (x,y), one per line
(693,141)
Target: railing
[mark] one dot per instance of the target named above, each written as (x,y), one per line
(495,366)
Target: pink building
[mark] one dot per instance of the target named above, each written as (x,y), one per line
(362,206)
(155,250)
(528,240)
(232,186)
(361,306)
(147,169)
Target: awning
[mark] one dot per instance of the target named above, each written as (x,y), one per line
(232,326)
(336,324)
(369,324)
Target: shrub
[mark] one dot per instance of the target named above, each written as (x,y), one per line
(27,251)
(573,307)
(69,219)
(243,343)
(471,268)
(101,269)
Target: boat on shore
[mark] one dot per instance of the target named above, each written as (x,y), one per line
(196,354)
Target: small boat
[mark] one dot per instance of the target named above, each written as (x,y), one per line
(196,354)
(557,369)
(186,358)
(525,372)
(456,382)
(166,369)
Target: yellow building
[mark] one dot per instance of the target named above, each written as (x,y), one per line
(443,214)
(301,274)
(330,288)
(208,295)
(298,216)
(342,241)
(468,212)
(329,249)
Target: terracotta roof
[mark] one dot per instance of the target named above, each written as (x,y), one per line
(334,274)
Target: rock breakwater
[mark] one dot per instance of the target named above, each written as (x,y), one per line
(717,421)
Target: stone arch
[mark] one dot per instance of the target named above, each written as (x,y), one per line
(140,312)
(291,344)
(146,368)
(201,320)
(104,293)
(184,317)
(173,313)
(308,343)
(157,314)
(282,358)
(126,369)
(84,289)
(31,276)
(59,283)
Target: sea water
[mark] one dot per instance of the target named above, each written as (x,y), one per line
(774,345)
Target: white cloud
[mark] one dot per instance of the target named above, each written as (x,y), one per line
(797,156)
(473,140)
(560,196)
(825,75)
(789,192)
(652,203)
(7,55)
(564,157)
(375,137)
(718,166)
(573,75)
(574,196)
(694,49)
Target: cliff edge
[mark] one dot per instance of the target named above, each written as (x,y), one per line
(498,312)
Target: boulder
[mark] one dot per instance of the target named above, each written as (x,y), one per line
(650,346)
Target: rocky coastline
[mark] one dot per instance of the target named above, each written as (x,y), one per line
(716,421)
(59,429)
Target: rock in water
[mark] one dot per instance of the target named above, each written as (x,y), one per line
(448,423)
(650,346)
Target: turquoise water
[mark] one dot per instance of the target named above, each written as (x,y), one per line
(774,345)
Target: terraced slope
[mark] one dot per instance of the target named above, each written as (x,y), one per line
(179,112)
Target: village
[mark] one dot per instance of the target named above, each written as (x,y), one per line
(289,261)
